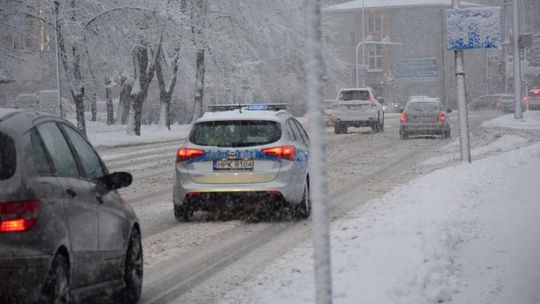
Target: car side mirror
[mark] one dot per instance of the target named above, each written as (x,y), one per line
(448,110)
(117,180)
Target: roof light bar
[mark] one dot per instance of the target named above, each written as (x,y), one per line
(249,107)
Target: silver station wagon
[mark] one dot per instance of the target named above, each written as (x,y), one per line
(246,156)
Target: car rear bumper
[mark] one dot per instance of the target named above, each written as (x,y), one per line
(22,278)
(424,128)
(534,106)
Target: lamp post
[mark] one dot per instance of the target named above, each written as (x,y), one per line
(370,42)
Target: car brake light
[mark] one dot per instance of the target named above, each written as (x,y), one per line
(18,216)
(442,117)
(184,154)
(337,102)
(372,101)
(403,117)
(283,152)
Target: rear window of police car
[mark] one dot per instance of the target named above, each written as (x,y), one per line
(8,157)
(235,133)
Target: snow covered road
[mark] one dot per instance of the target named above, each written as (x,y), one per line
(195,262)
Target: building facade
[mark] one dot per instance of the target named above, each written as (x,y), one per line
(405,50)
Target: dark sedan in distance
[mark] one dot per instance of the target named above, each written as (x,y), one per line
(424,116)
(65,232)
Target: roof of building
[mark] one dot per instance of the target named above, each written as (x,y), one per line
(371,4)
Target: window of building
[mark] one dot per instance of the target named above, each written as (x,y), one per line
(375,57)
(374,24)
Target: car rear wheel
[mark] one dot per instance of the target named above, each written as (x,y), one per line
(446,134)
(183,213)
(340,128)
(56,287)
(403,135)
(303,210)
(133,271)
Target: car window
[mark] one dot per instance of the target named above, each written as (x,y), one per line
(354,95)
(301,131)
(56,144)
(40,158)
(290,132)
(8,157)
(235,133)
(90,161)
(296,133)
(423,106)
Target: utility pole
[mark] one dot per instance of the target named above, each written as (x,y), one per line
(518,111)
(318,182)
(60,107)
(462,106)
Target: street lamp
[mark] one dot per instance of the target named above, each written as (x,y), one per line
(369,41)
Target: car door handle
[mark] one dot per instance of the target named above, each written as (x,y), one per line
(71,193)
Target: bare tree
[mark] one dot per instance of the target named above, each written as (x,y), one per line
(72,63)
(199,21)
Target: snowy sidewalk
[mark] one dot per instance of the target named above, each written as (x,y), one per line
(463,234)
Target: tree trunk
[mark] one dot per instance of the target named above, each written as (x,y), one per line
(144,71)
(198,16)
(79,111)
(166,84)
(93,105)
(123,105)
(108,100)
(199,86)
(72,70)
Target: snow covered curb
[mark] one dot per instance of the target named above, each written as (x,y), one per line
(442,237)
(531,121)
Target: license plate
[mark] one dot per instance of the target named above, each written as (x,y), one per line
(354,107)
(233,164)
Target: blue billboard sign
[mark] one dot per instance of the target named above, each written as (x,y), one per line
(416,69)
(475,28)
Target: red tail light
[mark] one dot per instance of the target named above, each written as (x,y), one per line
(337,102)
(372,101)
(498,104)
(403,117)
(18,216)
(184,154)
(442,117)
(283,152)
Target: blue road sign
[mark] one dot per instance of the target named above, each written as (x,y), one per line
(475,28)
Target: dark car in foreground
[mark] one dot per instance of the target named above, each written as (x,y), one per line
(65,232)
(424,116)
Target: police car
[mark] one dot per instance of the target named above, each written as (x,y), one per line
(244,155)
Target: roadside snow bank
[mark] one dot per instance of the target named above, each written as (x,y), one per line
(463,234)
(102,135)
(531,121)
(503,144)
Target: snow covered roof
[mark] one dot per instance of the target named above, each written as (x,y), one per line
(240,115)
(371,4)
(5,111)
